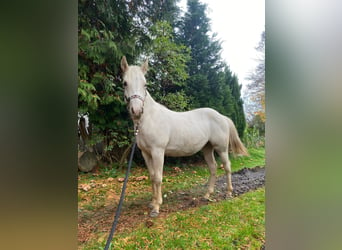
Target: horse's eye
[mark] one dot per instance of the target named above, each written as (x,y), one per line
(125,84)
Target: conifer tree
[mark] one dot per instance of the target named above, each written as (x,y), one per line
(238,116)
(205,63)
(210,83)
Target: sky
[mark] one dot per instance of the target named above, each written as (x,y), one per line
(239,24)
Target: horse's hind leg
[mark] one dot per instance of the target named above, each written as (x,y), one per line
(208,153)
(226,164)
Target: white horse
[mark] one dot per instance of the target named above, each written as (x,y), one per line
(160,131)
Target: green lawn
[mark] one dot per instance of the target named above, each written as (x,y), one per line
(233,224)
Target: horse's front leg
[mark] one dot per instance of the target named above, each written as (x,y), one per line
(156,179)
(148,161)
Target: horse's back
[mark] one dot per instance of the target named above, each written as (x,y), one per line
(190,131)
(218,127)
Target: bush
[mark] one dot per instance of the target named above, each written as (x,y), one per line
(253,139)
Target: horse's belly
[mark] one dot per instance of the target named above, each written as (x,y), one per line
(183,149)
(176,153)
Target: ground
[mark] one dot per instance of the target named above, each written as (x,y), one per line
(136,211)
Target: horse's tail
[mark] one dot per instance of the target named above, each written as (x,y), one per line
(235,144)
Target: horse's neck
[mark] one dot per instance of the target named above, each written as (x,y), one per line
(150,107)
(150,103)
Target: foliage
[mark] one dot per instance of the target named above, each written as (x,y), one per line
(205,54)
(211,83)
(167,75)
(176,101)
(236,103)
(258,122)
(253,138)
(106,33)
(186,70)
(232,101)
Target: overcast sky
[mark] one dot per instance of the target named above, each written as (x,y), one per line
(239,24)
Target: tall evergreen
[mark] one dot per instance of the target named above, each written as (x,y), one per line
(238,116)
(167,11)
(228,102)
(210,83)
(205,63)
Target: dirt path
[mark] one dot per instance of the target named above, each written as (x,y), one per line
(136,212)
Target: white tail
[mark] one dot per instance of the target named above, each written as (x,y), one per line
(235,144)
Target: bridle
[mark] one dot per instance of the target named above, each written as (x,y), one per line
(128,99)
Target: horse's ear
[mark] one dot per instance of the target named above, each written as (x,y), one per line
(144,66)
(124,64)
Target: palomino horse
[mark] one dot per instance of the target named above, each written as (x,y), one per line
(160,132)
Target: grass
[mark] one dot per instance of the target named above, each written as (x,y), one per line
(233,224)
(104,184)
(256,158)
(238,223)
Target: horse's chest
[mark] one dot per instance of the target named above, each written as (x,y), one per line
(148,141)
(142,144)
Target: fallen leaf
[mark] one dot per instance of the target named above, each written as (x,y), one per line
(121,179)
(149,223)
(111,196)
(177,169)
(110,179)
(141,178)
(85,187)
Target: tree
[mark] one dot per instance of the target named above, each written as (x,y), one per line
(205,63)
(256,88)
(228,102)
(238,115)
(211,83)
(167,75)
(186,67)
(107,31)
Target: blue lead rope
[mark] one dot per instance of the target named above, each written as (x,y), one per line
(122,197)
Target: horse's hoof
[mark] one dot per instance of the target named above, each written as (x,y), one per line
(228,196)
(154,214)
(206,196)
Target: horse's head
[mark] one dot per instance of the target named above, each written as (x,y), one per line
(135,87)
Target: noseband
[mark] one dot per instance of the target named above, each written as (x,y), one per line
(128,99)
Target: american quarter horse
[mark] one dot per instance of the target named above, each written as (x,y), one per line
(162,132)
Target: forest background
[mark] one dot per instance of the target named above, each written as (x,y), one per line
(186,70)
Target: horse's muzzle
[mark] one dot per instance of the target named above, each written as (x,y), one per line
(136,109)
